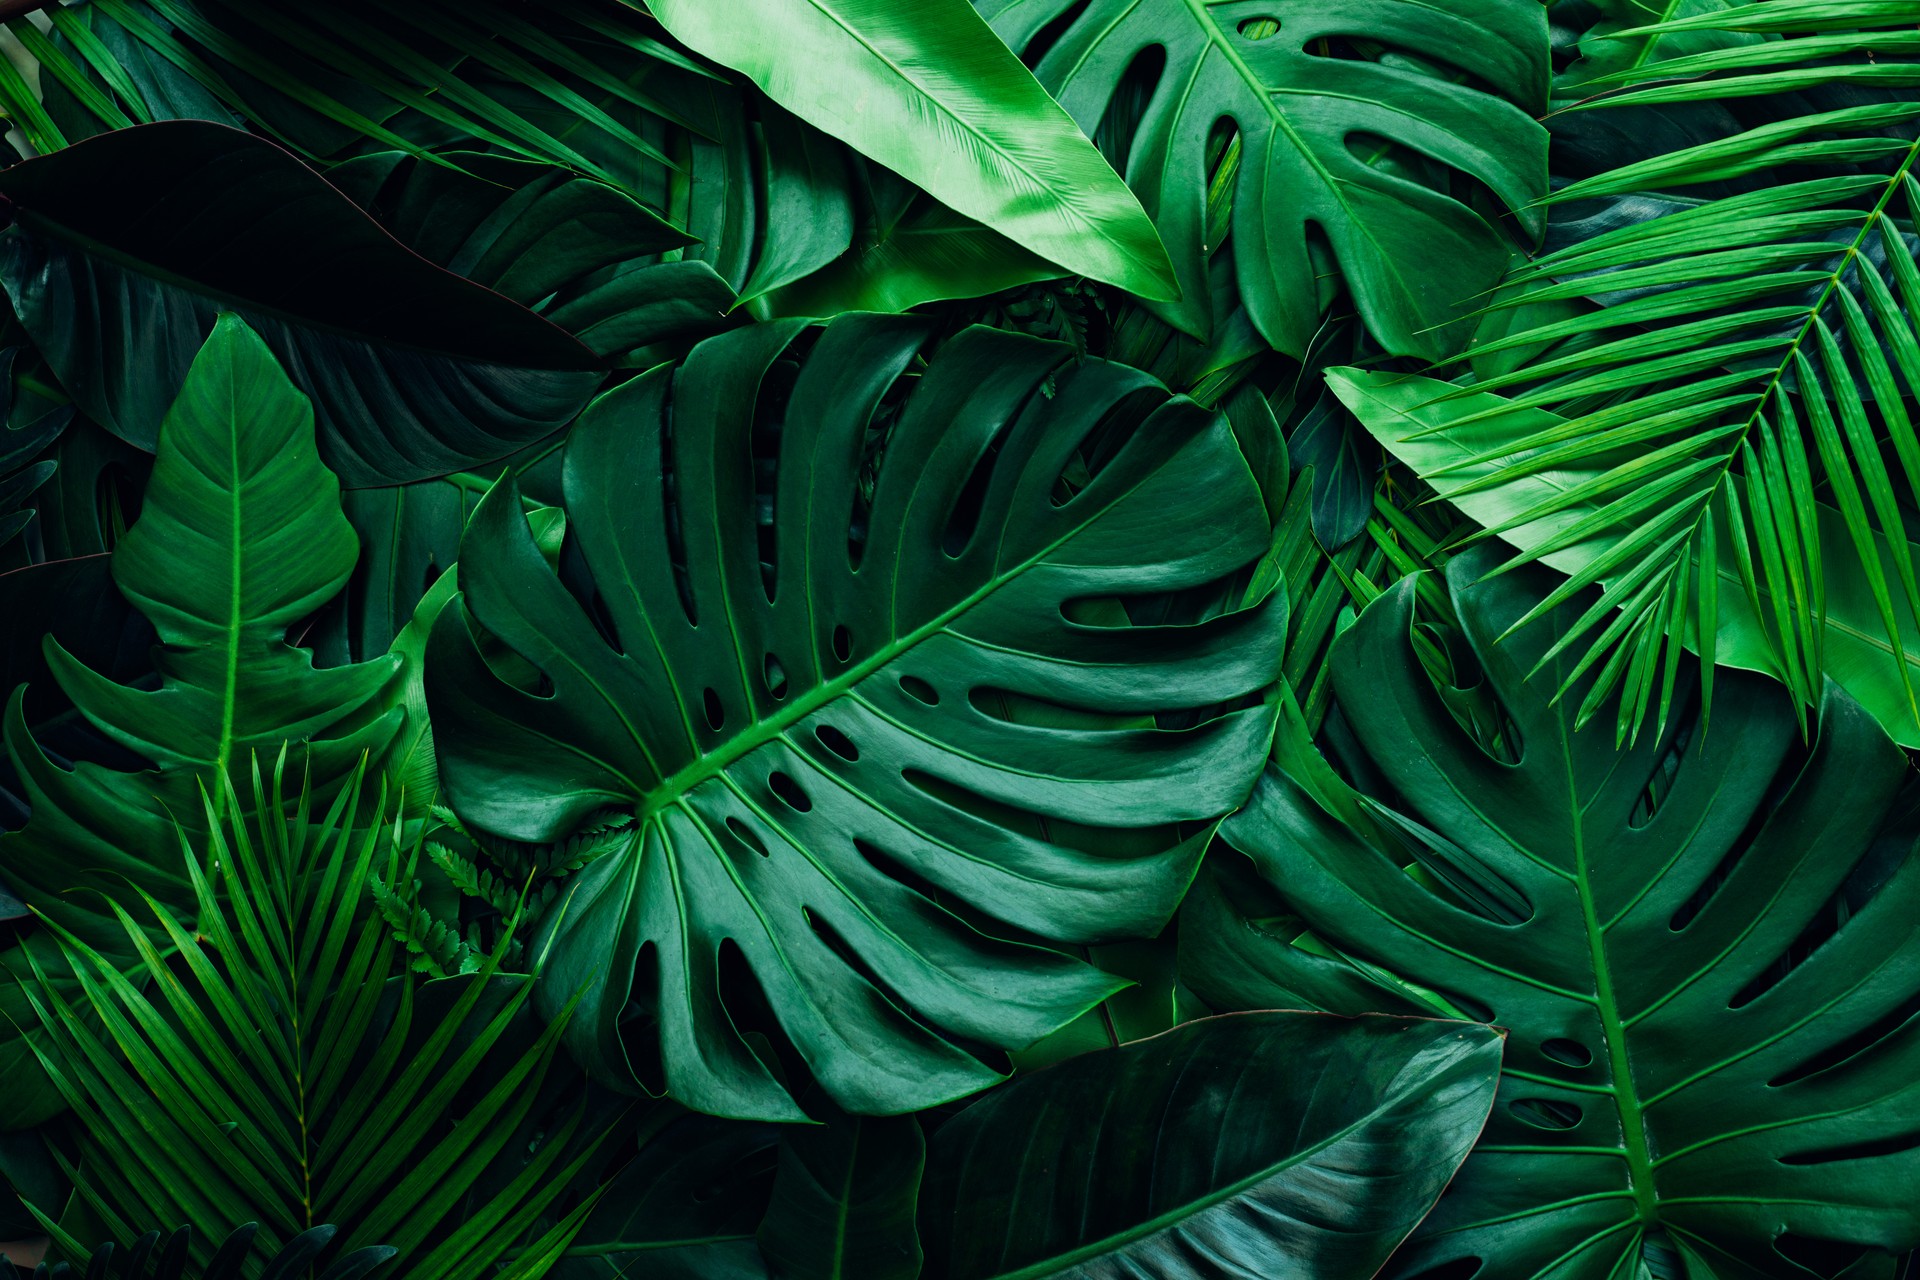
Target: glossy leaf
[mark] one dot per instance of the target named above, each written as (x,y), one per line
(1700,945)
(930,92)
(796,726)
(126,246)
(1233,1148)
(1313,131)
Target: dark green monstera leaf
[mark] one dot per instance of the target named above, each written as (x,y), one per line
(1244,1147)
(126,246)
(1702,944)
(815,594)
(1353,143)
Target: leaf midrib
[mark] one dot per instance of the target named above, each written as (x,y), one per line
(1613,1031)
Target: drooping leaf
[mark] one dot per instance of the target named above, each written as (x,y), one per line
(1700,946)
(930,92)
(843,1198)
(1320,131)
(796,724)
(1233,1148)
(126,246)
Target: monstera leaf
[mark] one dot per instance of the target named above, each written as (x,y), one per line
(1705,957)
(808,717)
(1233,1148)
(126,246)
(1341,107)
(521,229)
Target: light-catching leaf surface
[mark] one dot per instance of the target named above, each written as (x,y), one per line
(1242,1147)
(804,725)
(929,91)
(1319,137)
(1703,952)
(1495,461)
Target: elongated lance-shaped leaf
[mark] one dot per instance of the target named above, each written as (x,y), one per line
(929,91)
(801,727)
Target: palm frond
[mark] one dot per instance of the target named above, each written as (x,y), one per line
(281,1067)
(1722,372)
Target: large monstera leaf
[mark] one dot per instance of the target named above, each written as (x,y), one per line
(919,680)
(1349,114)
(1702,945)
(125,247)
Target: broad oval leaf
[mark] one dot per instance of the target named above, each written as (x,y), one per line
(1319,137)
(929,91)
(810,726)
(1702,947)
(127,245)
(1241,1147)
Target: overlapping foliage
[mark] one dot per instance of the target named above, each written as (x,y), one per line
(829,639)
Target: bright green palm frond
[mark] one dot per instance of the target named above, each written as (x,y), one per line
(1721,399)
(276,1064)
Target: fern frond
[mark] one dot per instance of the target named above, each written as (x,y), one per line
(434,947)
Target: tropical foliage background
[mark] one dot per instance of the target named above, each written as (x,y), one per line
(848,639)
